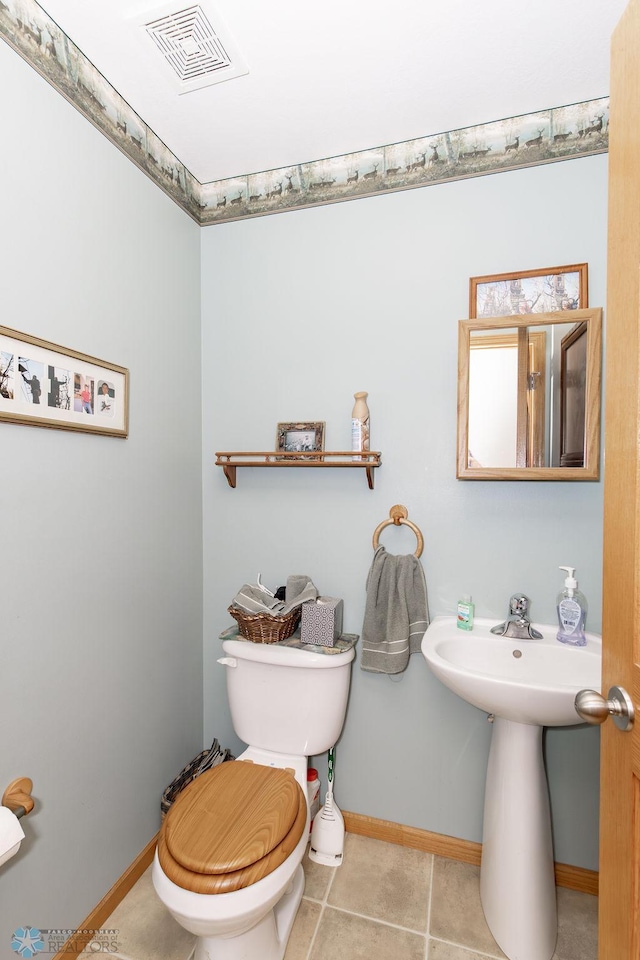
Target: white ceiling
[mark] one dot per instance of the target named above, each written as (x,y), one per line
(340,76)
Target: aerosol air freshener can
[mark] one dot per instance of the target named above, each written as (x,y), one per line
(360,423)
(313,792)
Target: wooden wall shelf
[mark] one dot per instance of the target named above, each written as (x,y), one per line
(230,461)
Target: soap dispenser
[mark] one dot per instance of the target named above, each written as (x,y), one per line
(572,611)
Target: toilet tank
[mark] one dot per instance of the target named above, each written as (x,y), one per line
(284,699)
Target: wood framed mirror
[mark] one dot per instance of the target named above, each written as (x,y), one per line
(529,396)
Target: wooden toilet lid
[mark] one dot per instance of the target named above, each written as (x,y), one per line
(232,826)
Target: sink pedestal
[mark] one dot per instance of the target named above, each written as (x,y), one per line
(517,881)
(527,685)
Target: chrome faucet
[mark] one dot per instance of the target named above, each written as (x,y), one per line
(517,625)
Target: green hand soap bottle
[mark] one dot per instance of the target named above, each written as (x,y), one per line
(465,613)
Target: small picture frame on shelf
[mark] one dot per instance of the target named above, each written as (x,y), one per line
(301,437)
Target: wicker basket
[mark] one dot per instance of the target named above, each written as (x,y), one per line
(263,627)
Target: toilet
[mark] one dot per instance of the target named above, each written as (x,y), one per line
(228,864)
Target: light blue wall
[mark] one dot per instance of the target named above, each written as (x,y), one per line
(299,312)
(100,594)
(102,539)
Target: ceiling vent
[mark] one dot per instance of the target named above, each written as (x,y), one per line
(196,45)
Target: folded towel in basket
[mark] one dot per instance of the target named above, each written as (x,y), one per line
(254,598)
(300,588)
(396,613)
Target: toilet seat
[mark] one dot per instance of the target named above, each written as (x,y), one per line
(231,827)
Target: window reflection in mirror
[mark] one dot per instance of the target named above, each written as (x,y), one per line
(529,396)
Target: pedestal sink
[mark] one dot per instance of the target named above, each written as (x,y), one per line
(525,685)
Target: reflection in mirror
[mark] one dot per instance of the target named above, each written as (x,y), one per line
(529,396)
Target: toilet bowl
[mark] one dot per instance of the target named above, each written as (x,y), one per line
(229,851)
(228,860)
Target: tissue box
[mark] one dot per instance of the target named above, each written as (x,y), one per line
(321,621)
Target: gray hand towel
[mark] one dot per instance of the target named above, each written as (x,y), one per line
(300,588)
(396,613)
(253,599)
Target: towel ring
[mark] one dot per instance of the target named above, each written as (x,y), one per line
(397,515)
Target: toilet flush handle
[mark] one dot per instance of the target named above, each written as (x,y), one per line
(228,661)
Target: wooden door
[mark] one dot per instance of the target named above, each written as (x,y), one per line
(619,919)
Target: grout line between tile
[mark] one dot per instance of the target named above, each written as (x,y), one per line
(472,950)
(323,904)
(385,923)
(315,932)
(330,884)
(429,898)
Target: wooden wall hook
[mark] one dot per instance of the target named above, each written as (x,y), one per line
(18,794)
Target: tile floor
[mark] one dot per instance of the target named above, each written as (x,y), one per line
(384,903)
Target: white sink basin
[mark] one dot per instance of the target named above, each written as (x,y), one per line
(528,681)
